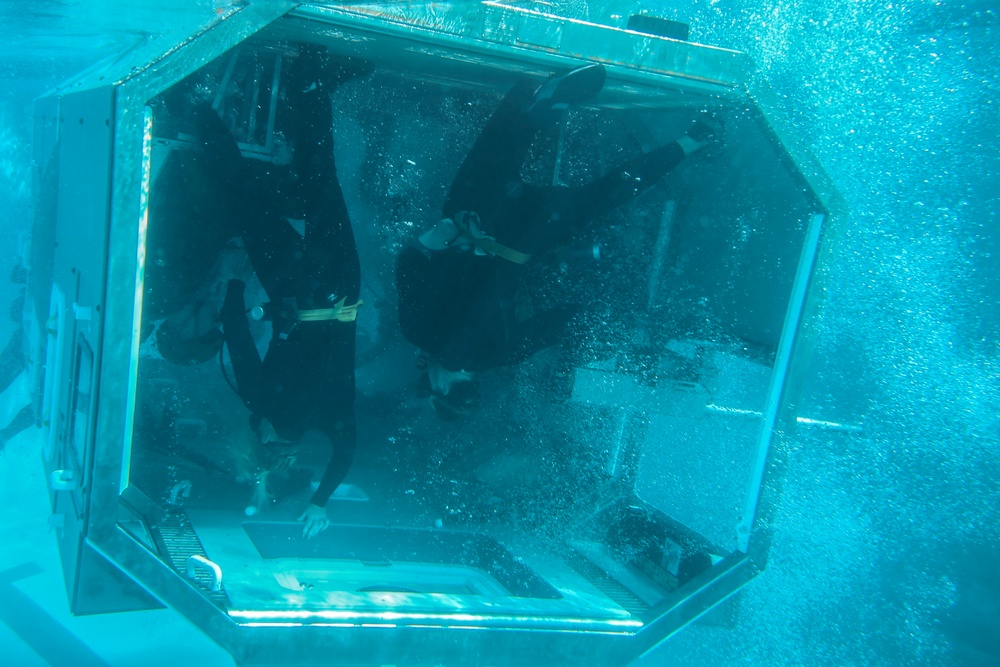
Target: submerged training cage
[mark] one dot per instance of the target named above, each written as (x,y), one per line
(585,513)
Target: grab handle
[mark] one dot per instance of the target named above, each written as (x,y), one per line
(196,561)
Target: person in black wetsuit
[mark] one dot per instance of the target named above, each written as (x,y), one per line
(303,390)
(190,225)
(457,285)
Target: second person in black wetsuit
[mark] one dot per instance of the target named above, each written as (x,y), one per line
(303,389)
(457,284)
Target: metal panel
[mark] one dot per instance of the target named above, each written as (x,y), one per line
(102,587)
(474,34)
(516,26)
(85,122)
(147,54)
(291,642)
(81,174)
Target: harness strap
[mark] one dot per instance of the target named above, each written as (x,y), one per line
(467,223)
(340,312)
(490,245)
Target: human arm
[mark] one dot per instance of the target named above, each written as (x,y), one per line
(315,516)
(316,521)
(342,455)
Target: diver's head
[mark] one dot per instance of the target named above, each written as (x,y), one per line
(272,452)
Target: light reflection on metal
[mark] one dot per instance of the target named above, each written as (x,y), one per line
(833,426)
(386,618)
(712,407)
(140,272)
(805,421)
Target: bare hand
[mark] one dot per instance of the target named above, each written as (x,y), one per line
(316,521)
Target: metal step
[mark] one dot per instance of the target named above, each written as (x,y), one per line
(177,539)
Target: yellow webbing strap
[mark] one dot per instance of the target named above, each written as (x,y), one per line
(467,223)
(490,245)
(339,312)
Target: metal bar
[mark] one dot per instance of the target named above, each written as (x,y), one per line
(140,270)
(221,92)
(624,416)
(273,108)
(775,393)
(804,421)
(700,596)
(659,252)
(560,145)
(254,101)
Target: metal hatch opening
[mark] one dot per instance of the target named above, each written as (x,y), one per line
(591,505)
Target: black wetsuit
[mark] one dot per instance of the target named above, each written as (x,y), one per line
(306,379)
(459,307)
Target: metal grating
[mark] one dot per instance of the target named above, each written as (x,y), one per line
(177,540)
(600,580)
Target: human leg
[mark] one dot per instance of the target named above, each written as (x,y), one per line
(328,263)
(490,173)
(629,179)
(621,184)
(242,347)
(306,120)
(493,164)
(560,210)
(251,202)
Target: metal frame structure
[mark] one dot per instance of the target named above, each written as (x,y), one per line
(96,132)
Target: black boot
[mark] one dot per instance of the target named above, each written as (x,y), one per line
(573,87)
